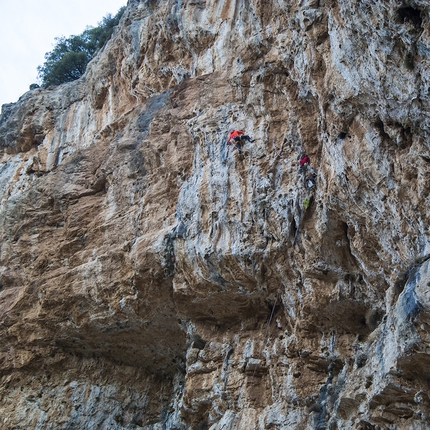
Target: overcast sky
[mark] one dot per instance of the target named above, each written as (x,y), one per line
(28,29)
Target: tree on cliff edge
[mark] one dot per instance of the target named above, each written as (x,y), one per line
(70,56)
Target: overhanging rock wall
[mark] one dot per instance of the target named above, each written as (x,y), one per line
(154,277)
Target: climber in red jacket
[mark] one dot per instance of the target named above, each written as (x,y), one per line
(305,166)
(237,136)
(304,160)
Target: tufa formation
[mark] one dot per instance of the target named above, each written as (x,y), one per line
(153,276)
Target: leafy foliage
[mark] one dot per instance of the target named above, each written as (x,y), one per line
(306,203)
(70,56)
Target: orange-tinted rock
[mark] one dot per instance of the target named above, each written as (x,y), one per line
(151,276)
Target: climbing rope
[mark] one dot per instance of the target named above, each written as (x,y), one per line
(261,350)
(265,334)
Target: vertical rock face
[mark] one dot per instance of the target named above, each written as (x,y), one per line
(151,276)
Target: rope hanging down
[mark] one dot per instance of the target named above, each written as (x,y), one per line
(265,335)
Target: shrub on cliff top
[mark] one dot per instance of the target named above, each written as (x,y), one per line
(70,56)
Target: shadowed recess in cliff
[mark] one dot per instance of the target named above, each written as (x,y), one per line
(153,105)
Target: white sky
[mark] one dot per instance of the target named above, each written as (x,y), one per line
(28,29)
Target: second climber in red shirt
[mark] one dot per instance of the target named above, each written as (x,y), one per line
(305,166)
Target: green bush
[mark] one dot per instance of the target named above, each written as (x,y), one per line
(306,203)
(70,56)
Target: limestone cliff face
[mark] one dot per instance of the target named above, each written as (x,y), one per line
(153,277)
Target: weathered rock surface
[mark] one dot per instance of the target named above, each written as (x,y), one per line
(153,277)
